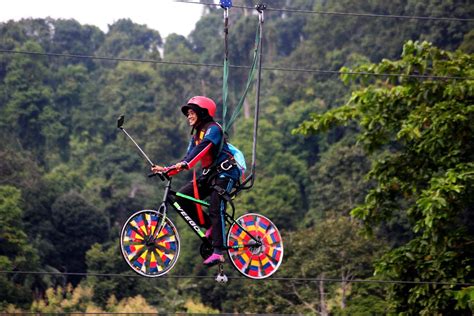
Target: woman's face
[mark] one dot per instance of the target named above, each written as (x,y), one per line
(192,117)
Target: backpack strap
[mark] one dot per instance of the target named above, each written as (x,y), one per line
(221,145)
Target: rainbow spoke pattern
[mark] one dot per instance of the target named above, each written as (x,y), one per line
(255,262)
(146,252)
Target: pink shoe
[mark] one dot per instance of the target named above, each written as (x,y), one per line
(208,233)
(214,259)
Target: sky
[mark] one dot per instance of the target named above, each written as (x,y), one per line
(165,16)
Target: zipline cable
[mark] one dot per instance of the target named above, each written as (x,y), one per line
(292,279)
(184,63)
(366,15)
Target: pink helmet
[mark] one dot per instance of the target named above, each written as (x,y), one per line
(202,102)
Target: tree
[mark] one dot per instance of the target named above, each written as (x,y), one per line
(166,294)
(328,41)
(338,183)
(127,39)
(27,96)
(68,36)
(331,249)
(420,135)
(15,252)
(80,299)
(78,225)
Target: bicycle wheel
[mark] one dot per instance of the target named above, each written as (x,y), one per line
(252,260)
(149,255)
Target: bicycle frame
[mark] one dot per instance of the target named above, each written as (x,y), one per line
(253,242)
(191,223)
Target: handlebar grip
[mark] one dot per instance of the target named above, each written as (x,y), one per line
(151,175)
(164,175)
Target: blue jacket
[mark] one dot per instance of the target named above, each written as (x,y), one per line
(204,146)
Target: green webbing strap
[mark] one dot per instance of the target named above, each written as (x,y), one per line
(225,77)
(225,93)
(225,87)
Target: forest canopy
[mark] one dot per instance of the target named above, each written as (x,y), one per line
(364,158)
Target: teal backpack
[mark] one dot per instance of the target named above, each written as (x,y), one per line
(239,159)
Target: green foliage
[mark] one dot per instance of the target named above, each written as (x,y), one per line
(467,45)
(77,226)
(79,299)
(11,234)
(58,134)
(198,308)
(127,39)
(102,259)
(338,182)
(166,295)
(322,122)
(71,37)
(424,130)
(465,298)
(67,299)
(275,197)
(15,252)
(331,249)
(27,96)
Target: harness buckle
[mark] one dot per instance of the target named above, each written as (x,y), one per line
(228,166)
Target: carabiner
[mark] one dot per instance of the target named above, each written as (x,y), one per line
(260,8)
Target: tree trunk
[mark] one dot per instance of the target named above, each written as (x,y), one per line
(343,298)
(346,277)
(322,298)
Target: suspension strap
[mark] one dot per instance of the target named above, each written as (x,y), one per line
(257,59)
(225,78)
(251,75)
(260,8)
(227,124)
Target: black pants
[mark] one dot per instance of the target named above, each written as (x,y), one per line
(217,207)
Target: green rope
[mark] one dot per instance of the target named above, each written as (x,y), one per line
(225,93)
(227,125)
(225,86)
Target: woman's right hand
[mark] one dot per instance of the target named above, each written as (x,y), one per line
(157,169)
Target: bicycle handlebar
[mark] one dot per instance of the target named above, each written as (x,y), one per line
(160,174)
(164,174)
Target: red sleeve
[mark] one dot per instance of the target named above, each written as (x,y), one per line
(198,153)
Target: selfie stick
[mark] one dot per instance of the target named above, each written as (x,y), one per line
(120,121)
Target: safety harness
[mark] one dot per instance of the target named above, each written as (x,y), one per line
(211,172)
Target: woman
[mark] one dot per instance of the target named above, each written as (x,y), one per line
(220,172)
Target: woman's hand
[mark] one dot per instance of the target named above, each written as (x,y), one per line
(171,170)
(181,165)
(157,169)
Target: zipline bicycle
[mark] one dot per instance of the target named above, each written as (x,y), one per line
(150,243)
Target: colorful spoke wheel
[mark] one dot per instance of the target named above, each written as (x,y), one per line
(149,249)
(258,257)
